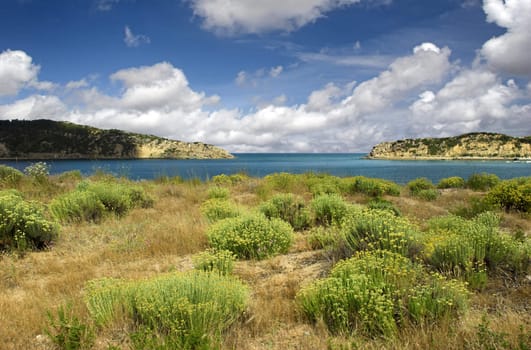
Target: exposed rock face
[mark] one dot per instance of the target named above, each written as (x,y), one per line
(468,146)
(46,139)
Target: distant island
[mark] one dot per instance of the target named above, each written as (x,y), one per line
(47,139)
(479,145)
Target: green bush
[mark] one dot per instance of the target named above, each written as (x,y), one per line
(375,292)
(233,179)
(373,229)
(323,237)
(22,224)
(78,206)
(482,181)
(428,195)
(373,187)
(283,182)
(251,236)
(474,207)
(451,182)
(39,171)
(72,175)
(514,194)
(418,185)
(382,204)
(218,193)
(289,208)
(218,209)
(67,331)
(179,311)
(322,184)
(220,261)
(328,209)
(10,176)
(90,201)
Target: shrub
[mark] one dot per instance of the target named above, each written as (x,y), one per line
(451,182)
(289,208)
(182,311)
(428,195)
(218,209)
(474,207)
(9,175)
(233,179)
(67,331)
(251,236)
(375,292)
(482,181)
(418,185)
(382,204)
(78,206)
(373,187)
(323,237)
(39,171)
(72,175)
(322,184)
(373,229)
(283,182)
(22,224)
(328,209)
(218,192)
(514,194)
(220,261)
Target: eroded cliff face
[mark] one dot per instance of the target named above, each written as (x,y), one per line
(468,146)
(46,139)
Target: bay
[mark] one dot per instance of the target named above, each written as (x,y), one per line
(261,164)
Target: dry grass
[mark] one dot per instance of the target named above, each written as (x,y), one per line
(150,241)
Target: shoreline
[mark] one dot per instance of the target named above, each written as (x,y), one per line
(513,159)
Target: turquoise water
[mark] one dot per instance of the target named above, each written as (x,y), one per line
(259,165)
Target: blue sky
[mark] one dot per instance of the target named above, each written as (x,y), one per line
(270,76)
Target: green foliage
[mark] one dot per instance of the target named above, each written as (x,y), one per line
(374,229)
(22,224)
(451,182)
(375,292)
(418,185)
(373,187)
(233,179)
(220,261)
(282,182)
(38,171)
(91,201)
(428,195)
(324,237)
(67,332)
(289,208)
(475,206)
(382,204)
(322,183)
(9,176)
(328,209)
(72,175)
(174,311)
(218,209)
(471,248)
(514,194)
(218,193)
(251,236)
(482,181)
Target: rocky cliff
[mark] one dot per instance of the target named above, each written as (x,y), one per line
(468,146)
(46,139)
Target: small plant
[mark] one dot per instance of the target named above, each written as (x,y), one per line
(66,331)
(323,237)
(482,181)
(22,224)
(211,260)
(78,206)
(251,236)
(39,171)
(289,208)
(514,194)
(218,192)
(382,204)
(373,187)
(10,176)
(218,209)
(328,209)
(428,195)
(420,184)
(176,311)
(451,182)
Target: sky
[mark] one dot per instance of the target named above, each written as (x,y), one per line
(271,76)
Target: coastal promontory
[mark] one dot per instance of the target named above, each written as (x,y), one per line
(479,145)
(47,139)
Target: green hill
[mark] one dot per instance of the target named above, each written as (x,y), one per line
(47,139)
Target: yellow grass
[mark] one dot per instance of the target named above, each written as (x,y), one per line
(147,242)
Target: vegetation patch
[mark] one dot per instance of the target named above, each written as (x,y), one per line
(217,209)
(9,176)
(482,181)
(514,194)
(451,182)
(373,187)
(329,209)
(289,208)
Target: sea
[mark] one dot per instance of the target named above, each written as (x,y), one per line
(262,164)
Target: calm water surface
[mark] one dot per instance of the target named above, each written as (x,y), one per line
(259,165)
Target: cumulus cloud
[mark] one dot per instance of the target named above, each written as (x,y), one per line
(510,51)
(35,107)
(132,40)
(16,72)
(275,71)
(243,16)
(241,78)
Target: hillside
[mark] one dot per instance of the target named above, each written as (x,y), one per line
(467,146)
(46,139)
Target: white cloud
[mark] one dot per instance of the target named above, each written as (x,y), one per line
(16,72)
(364,61)
(241,78)
(34,107)
(275,71)
(77,84)
(244,16)
(510,51)
(105,5)
(132,40)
